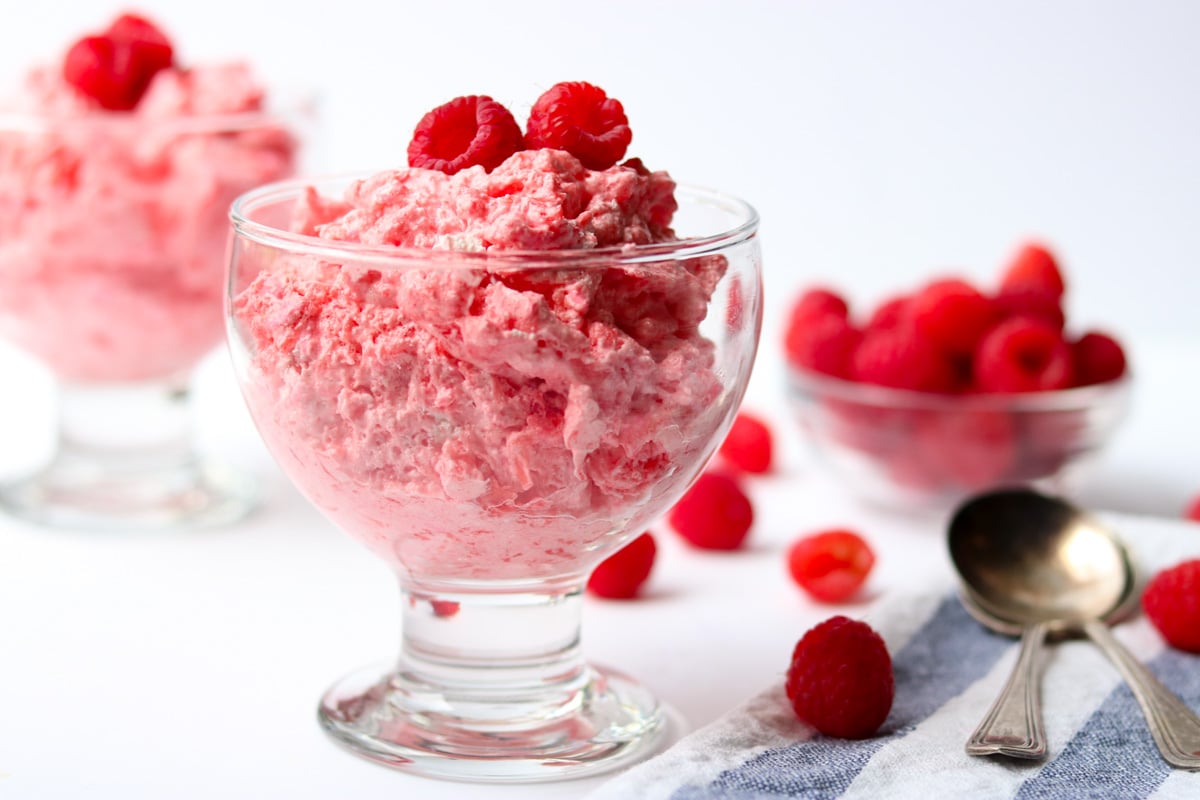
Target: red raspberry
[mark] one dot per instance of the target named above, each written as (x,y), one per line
(466,132)
(715,514)
(132,29)
(1097,358)
(840,680)
(1030,303)
(1192,512)
(830,565)
(444,608)
(901,358)
(817,303)
(581,119)
(824,343)
(620,575)
(1172,603)
(1023,355)
(952,314)
(911,469)
(116,68)
(1033,268)
(747,446)
(890,314)
(967,449)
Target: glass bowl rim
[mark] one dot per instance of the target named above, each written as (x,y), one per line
(392,256)
(1077,398)
(280,107)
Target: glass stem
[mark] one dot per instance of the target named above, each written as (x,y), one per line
(130,427)
(506,660)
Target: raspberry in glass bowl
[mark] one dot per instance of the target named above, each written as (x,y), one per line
(950,389)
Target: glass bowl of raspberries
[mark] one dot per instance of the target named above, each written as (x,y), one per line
(952,389)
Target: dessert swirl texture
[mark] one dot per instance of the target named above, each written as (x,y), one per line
(113,224)
(485,416)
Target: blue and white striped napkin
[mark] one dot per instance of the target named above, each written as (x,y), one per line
(948,670)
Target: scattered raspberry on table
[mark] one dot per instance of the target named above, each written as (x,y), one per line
(1171,601)
(831,565)
(621,575)
(840,679)
(748,445)
(715,514)
(1192,511)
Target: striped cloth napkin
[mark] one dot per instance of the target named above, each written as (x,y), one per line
(948,669)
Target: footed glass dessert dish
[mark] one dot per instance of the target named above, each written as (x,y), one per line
(113,226)
(492,424)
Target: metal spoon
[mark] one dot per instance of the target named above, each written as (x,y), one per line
(1040,565)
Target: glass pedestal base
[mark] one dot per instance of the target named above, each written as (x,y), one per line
(491,686)
(125,461)
(608,723)
(81,495)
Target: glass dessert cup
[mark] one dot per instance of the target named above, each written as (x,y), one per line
(113,228)
(920,451)
(493,426)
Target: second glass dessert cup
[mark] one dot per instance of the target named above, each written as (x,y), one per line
(113,227)
(493,426)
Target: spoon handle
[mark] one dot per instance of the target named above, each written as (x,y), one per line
(1176,730)
(1013,725)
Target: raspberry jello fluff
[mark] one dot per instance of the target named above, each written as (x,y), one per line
(512,388)
(115,180)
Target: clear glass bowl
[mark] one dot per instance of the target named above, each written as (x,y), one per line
(113,229)
(918,450)
(493,426)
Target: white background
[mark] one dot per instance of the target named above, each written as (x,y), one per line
(882,142)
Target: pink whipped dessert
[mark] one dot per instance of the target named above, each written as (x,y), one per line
(469,413)
(114,193)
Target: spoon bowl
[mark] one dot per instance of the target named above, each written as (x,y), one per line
(1027,558)
(1034,565)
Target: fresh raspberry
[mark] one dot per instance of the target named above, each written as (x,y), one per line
(840,680)
(817,303)
(967,449)
(1023,355)
(581,119)
(910,468)
(715,514)
(1033,268)
(952,314)
(444,608)
(116,68)
(1035,303)
(747,446)
(890,314)
(903,359)
(1097,358)
(466,132)
(620,575)
(1172,603)
(823,343)
(637,166)
(830,565)
(132,29)
(1192,511)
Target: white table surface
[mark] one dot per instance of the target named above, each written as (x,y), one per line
(188,665)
